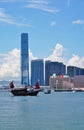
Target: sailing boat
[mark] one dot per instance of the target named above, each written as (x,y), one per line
(25,91)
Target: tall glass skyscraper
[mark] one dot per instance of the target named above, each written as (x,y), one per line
(37,72)
(24,59)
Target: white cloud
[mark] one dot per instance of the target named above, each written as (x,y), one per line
(10,65)
(78,21)
(5,18)
(9,0)
(38,1)
(31,56)
(57,53)
(76,61)
(41,5)
(53,23)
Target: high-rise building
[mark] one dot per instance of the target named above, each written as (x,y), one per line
(74,71)
(82,71)
(51,68)
(24,59)
(37,71)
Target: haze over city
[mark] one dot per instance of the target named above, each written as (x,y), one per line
(55,31)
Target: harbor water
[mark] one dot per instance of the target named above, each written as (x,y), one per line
(55,111)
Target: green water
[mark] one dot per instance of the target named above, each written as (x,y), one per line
(55,111)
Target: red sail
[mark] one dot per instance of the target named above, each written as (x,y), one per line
(11,85)
(37,86)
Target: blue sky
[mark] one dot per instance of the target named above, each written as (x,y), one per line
(55,28)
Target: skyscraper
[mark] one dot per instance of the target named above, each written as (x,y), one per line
(24,59)
(51,68)
(37,71)
(73,71)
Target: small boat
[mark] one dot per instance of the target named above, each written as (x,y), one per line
(24,91)
(47,91)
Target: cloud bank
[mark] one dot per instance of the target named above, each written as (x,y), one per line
(57,53)
(10,62)
(10,65)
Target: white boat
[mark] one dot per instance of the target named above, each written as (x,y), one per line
(47,91)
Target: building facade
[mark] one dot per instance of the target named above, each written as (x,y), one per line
(61,82)
(51,68)
(37,72)
(24,59)
(78,81)
(73,71)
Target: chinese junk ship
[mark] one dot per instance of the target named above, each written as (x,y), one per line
(24,91)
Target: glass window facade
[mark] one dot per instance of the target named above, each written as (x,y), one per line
(37,72)
(24,59)
(73,71)
(51,68)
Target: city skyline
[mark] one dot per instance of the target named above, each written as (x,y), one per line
(55,31)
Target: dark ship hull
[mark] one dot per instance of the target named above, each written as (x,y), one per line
(24,92)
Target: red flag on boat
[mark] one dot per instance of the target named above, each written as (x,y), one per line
(11,85)
(37,86)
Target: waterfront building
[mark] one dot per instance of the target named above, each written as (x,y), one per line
(82,71)
(37,71)
(24,59)
(78,81)
(73,70)
(60,82)
(51,68)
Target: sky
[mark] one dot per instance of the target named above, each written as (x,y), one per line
(55,32)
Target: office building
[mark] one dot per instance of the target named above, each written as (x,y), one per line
(51,68)
(37,71)
(24,59)
(78,81)
(61,82)
(81,71)
(73,70)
